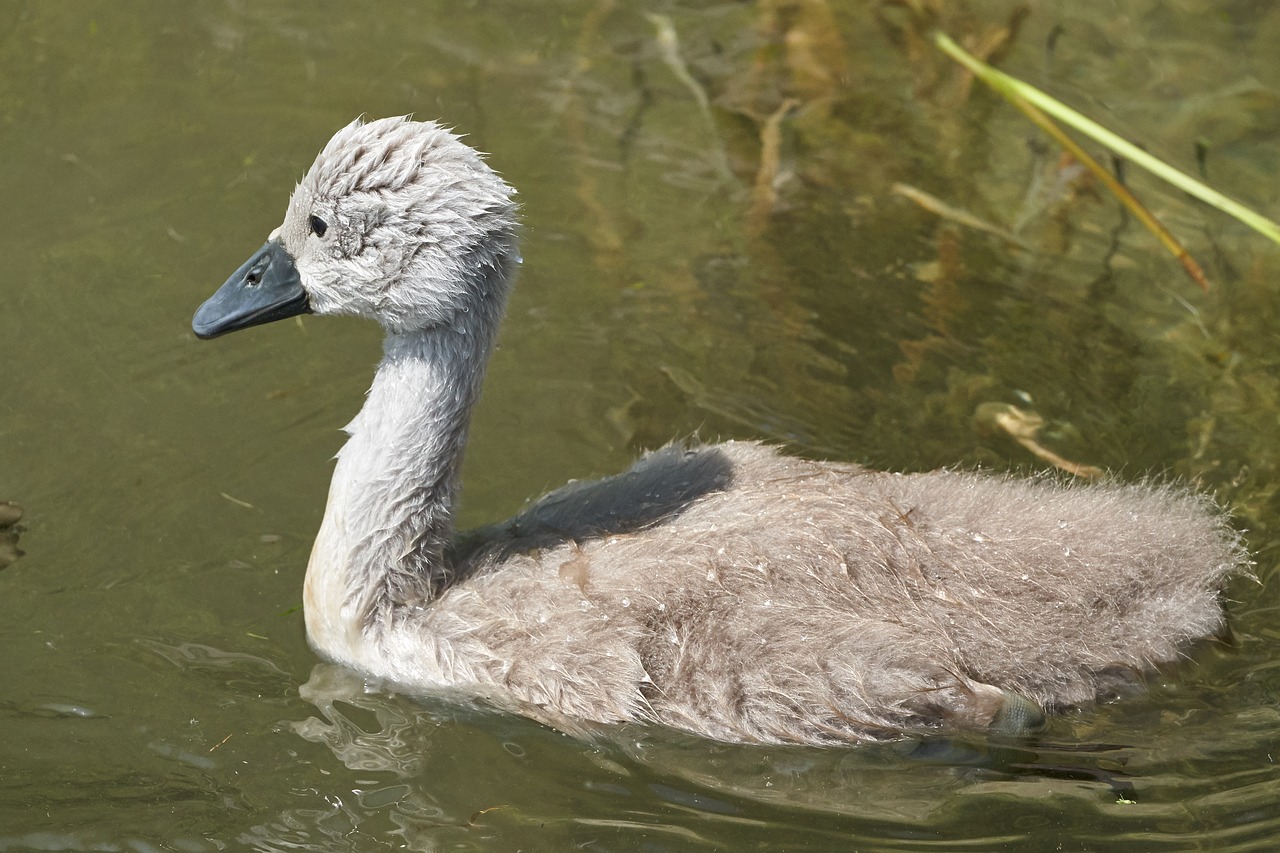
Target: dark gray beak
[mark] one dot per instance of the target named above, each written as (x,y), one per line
(266,288)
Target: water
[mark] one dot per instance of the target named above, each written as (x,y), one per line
(158,691)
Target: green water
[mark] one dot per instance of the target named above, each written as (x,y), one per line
(158,692)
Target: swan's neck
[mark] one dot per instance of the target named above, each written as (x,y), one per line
(381,549)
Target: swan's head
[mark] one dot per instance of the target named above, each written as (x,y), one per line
(397,220)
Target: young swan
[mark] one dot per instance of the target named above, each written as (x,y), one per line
(727,589)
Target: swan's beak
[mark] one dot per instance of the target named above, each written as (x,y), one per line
(265,288)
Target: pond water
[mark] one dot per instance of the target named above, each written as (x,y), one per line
(697,259)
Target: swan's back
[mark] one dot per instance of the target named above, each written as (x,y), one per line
(745,594)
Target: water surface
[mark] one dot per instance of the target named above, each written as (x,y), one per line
(158,690)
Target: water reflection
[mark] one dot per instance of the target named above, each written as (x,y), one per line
(145,144)
(422,765)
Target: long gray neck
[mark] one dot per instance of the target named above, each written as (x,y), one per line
(382,545)
(402,462)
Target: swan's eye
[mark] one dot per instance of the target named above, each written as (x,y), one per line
(319,226)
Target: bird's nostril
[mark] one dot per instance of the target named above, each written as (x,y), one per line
(254,276)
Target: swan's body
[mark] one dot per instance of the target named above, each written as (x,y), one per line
(728,590)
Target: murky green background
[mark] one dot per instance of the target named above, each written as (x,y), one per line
(151,645)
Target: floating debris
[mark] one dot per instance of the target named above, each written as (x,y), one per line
(935,205)
(1024,427)
(10,515)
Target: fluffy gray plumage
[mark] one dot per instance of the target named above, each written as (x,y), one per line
(728,590)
